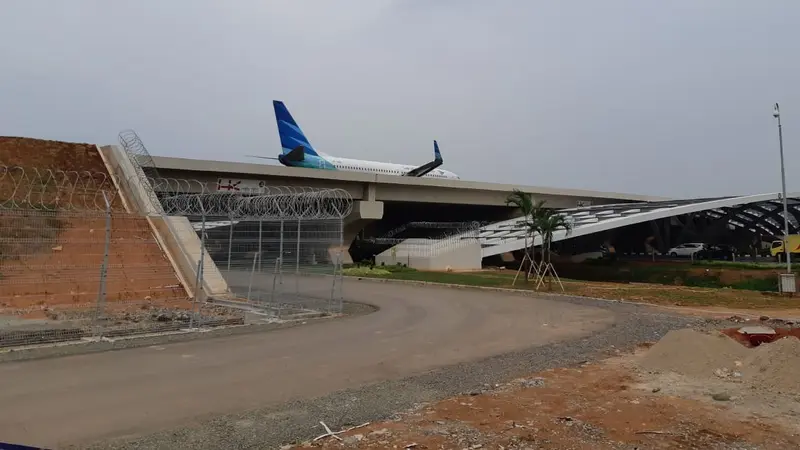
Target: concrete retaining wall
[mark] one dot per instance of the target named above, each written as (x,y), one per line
(175,234)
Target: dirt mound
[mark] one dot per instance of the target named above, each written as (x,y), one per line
(771,366)
(63,266)
(53,175)
(693,353)
(53,233)
(44,154)
(775,366)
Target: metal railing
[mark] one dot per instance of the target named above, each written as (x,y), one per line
(465,235)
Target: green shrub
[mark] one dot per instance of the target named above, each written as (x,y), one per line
(702,281)
(399,268)
(769,284)
(739,265)
(365,272)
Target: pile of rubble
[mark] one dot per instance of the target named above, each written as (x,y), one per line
(691,389)
(760,357)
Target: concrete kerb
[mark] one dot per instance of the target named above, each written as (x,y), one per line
(142,340)
(145,340)
(530,293)
(525,292)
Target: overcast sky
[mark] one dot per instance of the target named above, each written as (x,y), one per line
(643,96)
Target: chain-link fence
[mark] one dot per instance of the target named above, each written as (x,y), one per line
(80,259)
(283,266)
(279,250)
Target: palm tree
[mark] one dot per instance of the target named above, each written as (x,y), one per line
(531,211)
(521,200)
(548,222)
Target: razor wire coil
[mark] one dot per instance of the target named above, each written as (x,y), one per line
(58,190)
(54,190)
(273,202)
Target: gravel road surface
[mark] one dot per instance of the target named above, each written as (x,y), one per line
(262,390)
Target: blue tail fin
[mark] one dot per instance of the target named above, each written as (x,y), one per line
(290,133)
(436,154)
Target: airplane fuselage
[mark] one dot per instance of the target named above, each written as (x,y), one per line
(297,151)
(362,166)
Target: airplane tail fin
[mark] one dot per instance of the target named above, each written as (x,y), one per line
(290,133)
(436,152)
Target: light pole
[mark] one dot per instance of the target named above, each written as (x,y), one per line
(776,113)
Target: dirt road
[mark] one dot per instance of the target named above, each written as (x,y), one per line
(79,399)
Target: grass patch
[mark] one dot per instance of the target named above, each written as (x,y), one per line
(409,274)
(740,265)
(758,284)
(366,272)
(708,274)
(683,295)
(706,282)
(700,294)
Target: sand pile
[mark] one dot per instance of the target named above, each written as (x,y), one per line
(693,353)
(775,366)
(772,366)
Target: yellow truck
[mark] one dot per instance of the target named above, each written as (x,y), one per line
(794,245)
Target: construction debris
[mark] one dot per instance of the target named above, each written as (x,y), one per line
(691,389)
(329,433)
(693,353)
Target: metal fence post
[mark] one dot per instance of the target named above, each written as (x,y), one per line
(230,243)
(297,263)
(260,229)
(336,272)
(342,249)
(277,273)
(198,286)
(101,294)
(338,268)
(280,248)
(274,279)
(256,258)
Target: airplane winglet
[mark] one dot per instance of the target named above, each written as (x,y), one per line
(426,168)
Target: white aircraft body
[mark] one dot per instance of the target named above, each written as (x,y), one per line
(297,151)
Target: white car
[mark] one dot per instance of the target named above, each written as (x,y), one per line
(687,249)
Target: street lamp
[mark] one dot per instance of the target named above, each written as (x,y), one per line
(776,113)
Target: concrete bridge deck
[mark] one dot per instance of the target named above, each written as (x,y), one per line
(385,188)
(389,197)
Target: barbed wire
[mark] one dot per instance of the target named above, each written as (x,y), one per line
(57,190)
(194,198)
(267,203)
(142,164)
(133,145)
(191,197)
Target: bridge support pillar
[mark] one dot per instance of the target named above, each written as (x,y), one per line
(363,213)
(370,192)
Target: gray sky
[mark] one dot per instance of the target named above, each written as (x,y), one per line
(643,96)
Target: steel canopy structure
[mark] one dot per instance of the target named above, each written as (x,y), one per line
(757,213)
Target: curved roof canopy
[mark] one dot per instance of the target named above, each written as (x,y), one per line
(761,213)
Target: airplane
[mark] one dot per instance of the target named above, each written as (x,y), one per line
(298,152)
